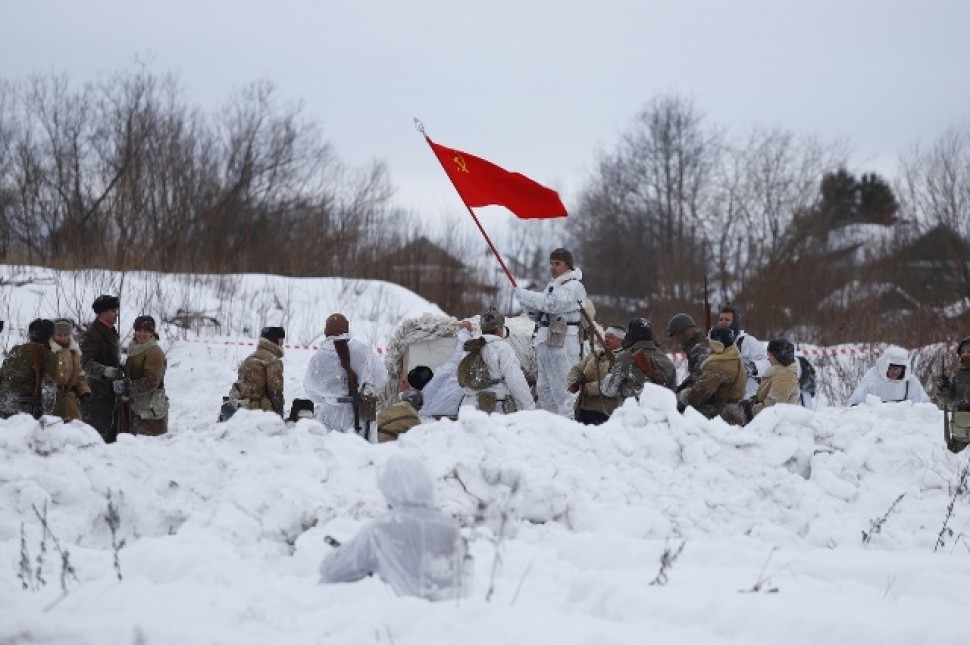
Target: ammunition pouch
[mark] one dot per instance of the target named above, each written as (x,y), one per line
(557,333)
(368,407)
(487,401)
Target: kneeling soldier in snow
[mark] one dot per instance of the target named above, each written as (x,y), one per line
(490,374)
(585,378)
(260,384)
(723,378)
(394,420)
(955,391)
(28,374)
(343,380)
(891,379)
(640,362)
(72,387)
(415,548)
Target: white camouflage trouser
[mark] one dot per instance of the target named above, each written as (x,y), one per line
(554,364)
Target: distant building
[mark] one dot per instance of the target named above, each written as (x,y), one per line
(935,269)
(434,274)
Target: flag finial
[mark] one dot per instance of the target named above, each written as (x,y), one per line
(419,126)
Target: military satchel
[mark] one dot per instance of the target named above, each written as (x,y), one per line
(150,406)
(557,333)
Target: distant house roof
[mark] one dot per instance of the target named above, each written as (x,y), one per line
(423,251)
(934,267)
(940,243)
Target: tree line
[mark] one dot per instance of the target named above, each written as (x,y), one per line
(125,173)
(779,225)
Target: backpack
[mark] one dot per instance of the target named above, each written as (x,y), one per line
(806,382)
(472,371)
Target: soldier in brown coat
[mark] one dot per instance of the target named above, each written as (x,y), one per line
(101,360)
(722,381)
(780,382)
(72,387)
(260,383)
(585,378)
(144,387)
(27,374)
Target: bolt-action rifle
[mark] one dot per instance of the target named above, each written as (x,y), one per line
(947,437)
(707,307)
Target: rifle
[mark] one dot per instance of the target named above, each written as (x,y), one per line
(121,409)
(599,337)
(365,407)
(354,400)
(707,307)
(946,407)
(37,405)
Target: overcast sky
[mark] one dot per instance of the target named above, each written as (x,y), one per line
(537,87)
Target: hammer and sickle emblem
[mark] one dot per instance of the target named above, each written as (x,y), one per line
(460,161)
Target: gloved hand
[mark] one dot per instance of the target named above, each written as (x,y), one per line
(84,397)
(943,383)
(121,387)
(682,399)
(746,405)
(577,385)
(112,373)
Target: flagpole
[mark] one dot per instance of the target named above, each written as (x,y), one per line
(420,127)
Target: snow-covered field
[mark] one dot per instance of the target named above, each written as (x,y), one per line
(223,524)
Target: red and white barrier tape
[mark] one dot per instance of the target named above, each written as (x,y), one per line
(249,343)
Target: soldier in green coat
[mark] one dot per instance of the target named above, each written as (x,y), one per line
(28,375)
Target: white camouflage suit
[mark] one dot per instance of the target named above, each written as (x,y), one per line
(326,382)
(414,548)
(561,299)
(502,364)
(755,359)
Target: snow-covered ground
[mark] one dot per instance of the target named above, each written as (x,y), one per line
(223,524)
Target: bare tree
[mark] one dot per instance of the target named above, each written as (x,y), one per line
(641,219)
(934,190)
(763,181)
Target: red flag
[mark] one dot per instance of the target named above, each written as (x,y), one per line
(482,183)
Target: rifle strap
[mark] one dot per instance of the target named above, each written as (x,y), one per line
(343,353)
(38,368)
(646,366)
